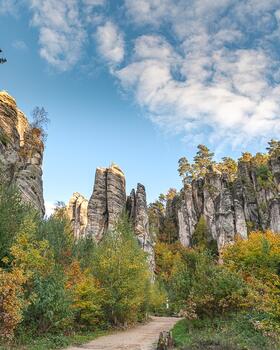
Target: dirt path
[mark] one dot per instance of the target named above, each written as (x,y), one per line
(143,337)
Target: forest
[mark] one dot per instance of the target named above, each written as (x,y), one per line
(57,290)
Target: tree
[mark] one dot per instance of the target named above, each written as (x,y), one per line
(274,147)
(203,160)
(40,121)
(185,169)
(246,157)
(2,59)
(120,266)
(228,166)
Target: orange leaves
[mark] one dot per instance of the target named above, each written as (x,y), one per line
(11,301)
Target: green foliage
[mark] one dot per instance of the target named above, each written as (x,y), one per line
(203,160)
(120,266)
(273,148)
(202,238)
(12,214)
(50,309)
(202,287)
(236,331)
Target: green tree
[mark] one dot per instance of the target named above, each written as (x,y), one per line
(273,147)
(12,214)
(185,169)
(120,266)
(203,160)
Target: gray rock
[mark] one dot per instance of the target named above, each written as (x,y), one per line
(137,205)
(108,201)
(21,153)
(77,213)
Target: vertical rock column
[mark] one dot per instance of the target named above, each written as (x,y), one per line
(107,202)
(138,213)
(77,213)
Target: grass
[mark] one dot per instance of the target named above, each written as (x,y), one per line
(235,332)
(52,342)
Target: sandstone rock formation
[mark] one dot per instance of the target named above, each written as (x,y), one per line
(108,201)
(77,213)
(138,213)
(229,207)
(21,152)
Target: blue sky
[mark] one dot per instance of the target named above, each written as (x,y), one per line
(141,83)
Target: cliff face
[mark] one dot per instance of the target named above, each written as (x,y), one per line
(21,152)
(108,201)
(250,202)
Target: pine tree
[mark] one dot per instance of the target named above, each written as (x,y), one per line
(203,160)
(273,148)
(185,169)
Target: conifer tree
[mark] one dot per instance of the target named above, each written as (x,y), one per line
(203,160)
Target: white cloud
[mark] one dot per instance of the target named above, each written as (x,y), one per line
(110,42)
(61,33)
(213,74)
(9,7)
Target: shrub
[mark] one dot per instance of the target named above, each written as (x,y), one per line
(12,214)
(87,297)
(120,265)
(12,301)
(49,310)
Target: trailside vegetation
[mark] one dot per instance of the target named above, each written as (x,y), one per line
(53,286)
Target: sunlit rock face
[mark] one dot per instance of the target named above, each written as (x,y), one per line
(230,208)
(138,214)
(107,202)
(77,213)
(21,153)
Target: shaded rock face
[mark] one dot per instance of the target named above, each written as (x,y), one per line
(77,213)
(108,201)
(21,153)
(230,208)
(138,214)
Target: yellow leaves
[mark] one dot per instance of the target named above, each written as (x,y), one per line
(258,261)
(31,255)
(11,301)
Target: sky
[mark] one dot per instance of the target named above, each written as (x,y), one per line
(142,83)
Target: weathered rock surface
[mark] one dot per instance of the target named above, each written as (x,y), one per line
(21,152)
(138,213)
(77,213)
(229,207)
(108,201)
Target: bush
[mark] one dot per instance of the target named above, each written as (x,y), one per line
(12,302)
(49,311)
(258,260)
(87,297)
(120,265)
(201,287)
(12,214)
